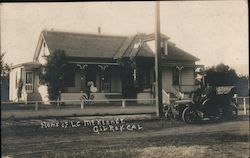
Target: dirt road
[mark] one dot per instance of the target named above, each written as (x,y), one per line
(139,139)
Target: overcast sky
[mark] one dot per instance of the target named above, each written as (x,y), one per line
(214,31)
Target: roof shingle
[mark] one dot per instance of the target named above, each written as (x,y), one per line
(87,45)
(108,46)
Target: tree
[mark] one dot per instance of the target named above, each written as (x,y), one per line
(5,68)
(221,75)
(243,85)
(127,78)
(52,73)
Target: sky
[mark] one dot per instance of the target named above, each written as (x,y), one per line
(214,31)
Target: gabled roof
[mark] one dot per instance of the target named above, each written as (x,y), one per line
(106,46)
(87,45)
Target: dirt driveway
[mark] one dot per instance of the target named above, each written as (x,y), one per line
(138,139)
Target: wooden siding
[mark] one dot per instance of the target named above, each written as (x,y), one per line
(187,76)
(167,79)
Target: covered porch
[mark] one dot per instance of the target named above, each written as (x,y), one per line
(104,75)
(113,80)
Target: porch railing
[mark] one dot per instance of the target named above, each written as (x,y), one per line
(106,86)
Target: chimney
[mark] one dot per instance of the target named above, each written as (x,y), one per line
(99,30)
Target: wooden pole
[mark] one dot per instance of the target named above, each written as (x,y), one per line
(82,104)
(36,106)
(123,103)
(158,72)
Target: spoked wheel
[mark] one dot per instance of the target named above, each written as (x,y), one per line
(168,114)
(231,112)
(189,115)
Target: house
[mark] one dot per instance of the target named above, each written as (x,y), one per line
(113,63)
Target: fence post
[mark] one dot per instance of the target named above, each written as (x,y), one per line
(36,106)
(123,103)
(59,99)
(245,106)
(82,104)
(58,102)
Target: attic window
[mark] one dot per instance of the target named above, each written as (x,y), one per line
(43,49)
(164,48)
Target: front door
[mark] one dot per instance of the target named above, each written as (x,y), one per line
(106,81)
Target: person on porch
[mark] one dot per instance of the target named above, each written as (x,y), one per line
(90,88)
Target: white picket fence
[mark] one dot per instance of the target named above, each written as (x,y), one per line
(242,101)
(82,103)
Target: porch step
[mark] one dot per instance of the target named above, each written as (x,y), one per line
(77,96)
(113,96)
(71,96)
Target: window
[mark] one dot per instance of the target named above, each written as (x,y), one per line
(29,82)
(143,78)
(176,76)
(164,48)
(29,77)
(146,80)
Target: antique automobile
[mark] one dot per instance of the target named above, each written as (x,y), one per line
(218,106)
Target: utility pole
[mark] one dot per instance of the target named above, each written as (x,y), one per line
(158,72)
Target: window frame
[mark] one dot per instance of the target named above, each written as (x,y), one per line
(29,87)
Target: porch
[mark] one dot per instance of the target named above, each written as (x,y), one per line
(105,76)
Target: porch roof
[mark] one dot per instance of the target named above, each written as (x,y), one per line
(28,65)
(94,63)
(165,64)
